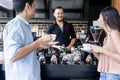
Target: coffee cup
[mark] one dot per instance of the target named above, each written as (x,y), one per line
(86,46)
(53,36)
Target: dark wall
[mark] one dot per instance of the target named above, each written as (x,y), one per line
(94,8)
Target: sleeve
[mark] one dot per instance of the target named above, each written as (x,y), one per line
(14,39)
(72,32)
(16,35)
(49,29)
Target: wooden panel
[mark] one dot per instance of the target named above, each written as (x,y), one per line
(116,4)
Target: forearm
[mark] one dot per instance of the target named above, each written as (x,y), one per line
(25,50)
(96,55)
(112,55)
(72,42)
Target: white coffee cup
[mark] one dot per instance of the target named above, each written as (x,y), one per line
(86,46)
(53,36)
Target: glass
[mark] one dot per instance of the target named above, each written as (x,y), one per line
(89,59)
(83,36)
(96,33)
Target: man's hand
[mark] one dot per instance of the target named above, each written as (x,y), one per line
(56,46)
(68,48)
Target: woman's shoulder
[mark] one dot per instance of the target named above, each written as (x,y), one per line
(114,33)
(115,36)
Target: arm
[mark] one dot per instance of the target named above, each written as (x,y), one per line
(73,37)
(112,55)
(71,44)
(115,36)
(25,50)
(95,54)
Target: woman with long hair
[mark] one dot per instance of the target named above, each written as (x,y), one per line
(109,54)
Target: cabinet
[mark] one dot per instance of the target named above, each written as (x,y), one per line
(68,72)
(64,72)
(2,72)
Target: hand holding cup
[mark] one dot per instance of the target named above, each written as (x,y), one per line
(53,36)
(46,38)
(86,47)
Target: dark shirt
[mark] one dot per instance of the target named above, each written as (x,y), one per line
(65,36)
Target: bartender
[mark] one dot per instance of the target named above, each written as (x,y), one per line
(65,34)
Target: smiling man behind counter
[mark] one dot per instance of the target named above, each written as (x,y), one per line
(64,31)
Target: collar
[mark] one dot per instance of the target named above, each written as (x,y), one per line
(23,20)
(64,22)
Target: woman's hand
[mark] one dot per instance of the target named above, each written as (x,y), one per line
(95,49)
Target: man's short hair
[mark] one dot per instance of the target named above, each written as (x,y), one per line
(59,7)
(19,5)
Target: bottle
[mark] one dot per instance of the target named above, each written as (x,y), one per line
(72,49)
(64,50)
(42,59)
(82,36)
(53,59)
(89,59)
(76,60)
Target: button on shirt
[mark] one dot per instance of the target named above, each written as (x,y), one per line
(16,34)
(65,36)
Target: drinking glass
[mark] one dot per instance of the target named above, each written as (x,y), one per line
(96,33)
(82,36)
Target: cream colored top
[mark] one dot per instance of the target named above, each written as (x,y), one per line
(106,64)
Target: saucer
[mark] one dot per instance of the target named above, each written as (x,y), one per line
(86,50)
(53,43)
